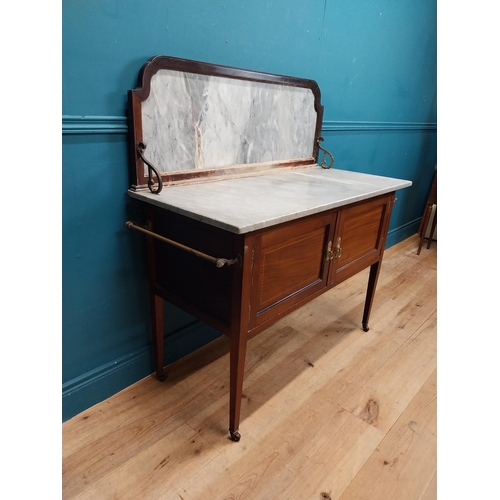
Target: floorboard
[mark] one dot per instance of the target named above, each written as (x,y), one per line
(329,411)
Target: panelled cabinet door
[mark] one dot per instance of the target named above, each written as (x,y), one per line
(289,264)
(359,237)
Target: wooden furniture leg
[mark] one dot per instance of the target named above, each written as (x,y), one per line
(156,305)
(237,369)
(424,224)
(421,224)
(370,292)
(431,201)
(433,228)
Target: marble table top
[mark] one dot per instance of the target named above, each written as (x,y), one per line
(249,203)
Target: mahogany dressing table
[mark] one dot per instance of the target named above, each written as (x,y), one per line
(243,225)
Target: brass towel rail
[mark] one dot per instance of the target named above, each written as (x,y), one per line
(218,261)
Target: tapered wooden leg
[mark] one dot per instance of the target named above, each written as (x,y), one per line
(156,305)
(237,370)
(370,293)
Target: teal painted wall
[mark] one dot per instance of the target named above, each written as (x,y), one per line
(375,63)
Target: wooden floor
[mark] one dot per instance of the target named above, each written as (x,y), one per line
(329,411)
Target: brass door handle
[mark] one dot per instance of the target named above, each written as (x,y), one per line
(338,248)
(334,253)
(329,253)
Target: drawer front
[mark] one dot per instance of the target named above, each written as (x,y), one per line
(289,264)
(360,237)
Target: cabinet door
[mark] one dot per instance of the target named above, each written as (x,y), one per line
(289,265)
(359,237)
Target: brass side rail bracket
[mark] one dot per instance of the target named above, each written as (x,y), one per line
(151,168)
(325,152)
(219,262)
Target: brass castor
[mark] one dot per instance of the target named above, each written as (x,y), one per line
(235,436)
